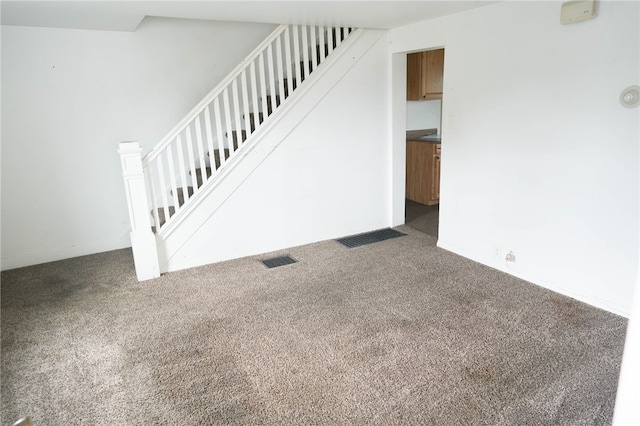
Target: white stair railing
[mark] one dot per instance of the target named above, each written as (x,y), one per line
(209,138)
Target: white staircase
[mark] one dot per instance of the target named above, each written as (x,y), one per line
(194,169)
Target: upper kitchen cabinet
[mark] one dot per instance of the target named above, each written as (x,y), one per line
(424,75)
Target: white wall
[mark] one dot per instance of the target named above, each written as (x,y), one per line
(538,156)
(69,97)
(423,114)
(328,178)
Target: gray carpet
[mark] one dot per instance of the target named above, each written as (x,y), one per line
(397,332)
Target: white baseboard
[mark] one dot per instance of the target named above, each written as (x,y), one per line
(37,257)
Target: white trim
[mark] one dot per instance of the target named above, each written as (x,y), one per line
(37,257)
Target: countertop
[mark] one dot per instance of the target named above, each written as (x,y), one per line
(423,135)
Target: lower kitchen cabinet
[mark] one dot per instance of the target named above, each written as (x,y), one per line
(423,172)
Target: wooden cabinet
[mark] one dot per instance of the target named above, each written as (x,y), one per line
(424,75)
(423,172)
(434,194)
(414,76)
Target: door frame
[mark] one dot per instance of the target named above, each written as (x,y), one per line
(398,134)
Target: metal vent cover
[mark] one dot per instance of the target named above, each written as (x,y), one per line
(274,262)
(370,237)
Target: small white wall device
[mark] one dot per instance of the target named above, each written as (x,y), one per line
(577,11)
(630,97)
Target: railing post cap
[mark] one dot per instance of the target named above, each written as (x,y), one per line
(129,146)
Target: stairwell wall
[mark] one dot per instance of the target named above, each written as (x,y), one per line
(329,177)
(69,97)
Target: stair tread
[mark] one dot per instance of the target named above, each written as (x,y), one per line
(199,175)
(180,190)
(234,134)
(269,106)
(161,214)
(216,156)
(180,194)
(294,85)
(199,171)
(252,119)
(268,97)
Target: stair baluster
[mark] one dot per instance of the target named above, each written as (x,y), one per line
(220,141)
(203,164)
(314,49)
(236,113)
(288,61)
(305,52)
(280,79)
(296,53)
(209,133)
(245,101)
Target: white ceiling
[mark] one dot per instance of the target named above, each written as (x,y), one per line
(127,15)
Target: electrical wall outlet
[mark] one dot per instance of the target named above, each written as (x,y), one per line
(510,257)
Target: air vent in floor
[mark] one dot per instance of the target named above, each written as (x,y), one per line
(369,237)
(278,261)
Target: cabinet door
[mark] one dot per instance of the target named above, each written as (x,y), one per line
(432,71)
(435,176)
(418,171)
(414,76)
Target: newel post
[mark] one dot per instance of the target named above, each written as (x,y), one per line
(143,240)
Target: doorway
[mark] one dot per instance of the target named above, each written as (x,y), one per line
(424,90)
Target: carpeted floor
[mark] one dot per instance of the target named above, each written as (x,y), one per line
(397,332)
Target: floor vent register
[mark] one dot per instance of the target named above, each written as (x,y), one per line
(370,237)
(274,262)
